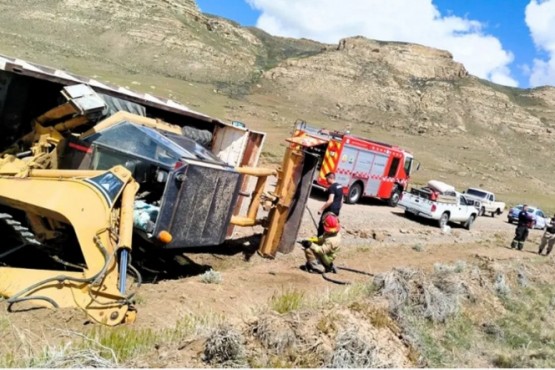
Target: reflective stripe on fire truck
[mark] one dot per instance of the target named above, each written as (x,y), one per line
(367,176)
(329,164)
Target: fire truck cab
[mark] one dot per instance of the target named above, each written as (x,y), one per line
(366,168)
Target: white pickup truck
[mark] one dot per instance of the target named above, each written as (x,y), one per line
(449,206)
(487,201)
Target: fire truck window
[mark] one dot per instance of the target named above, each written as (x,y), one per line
(394,167)
(408,162)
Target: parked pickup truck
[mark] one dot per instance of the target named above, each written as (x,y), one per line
(450,206)
(487,201)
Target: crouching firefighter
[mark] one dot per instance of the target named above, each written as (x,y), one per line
(321,251)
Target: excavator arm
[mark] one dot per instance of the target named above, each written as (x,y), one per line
(99,207)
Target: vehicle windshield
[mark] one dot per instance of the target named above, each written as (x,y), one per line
(149,143)
(476,193)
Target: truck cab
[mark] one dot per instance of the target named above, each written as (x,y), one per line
(176,176)
(488,204)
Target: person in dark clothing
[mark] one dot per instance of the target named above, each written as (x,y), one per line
(521,233)
(335,199)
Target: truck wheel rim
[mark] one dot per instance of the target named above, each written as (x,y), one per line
(354,193)
(395,197)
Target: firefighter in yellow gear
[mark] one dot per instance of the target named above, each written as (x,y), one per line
(320,252)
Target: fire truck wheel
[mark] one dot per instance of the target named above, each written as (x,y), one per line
(355,192)
(395,196)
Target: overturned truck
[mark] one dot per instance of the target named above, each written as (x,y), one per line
(88,170)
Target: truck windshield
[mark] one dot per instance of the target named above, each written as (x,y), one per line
(477,193)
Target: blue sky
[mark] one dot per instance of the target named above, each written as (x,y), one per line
(511,42)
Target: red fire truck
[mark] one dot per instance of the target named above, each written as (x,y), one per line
(364,167)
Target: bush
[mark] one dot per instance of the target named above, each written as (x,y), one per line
(211,277)
(500,286)
(395,286)
(225,347)
(439,305)
(274,333)
(353,351)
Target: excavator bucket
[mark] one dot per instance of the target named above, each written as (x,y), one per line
(292,190)
(98,206)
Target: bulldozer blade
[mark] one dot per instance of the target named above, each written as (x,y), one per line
(294,184)
(303,180)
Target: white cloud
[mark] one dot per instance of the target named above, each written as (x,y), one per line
(540,18)
(417,21)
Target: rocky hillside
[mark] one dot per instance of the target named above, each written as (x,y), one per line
(463,129)
(171,38)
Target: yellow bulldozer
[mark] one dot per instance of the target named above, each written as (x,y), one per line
(88,169)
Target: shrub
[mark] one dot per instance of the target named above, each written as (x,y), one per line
(500,286)
(353,351)
(225,347)
(395,286)
(439,305)
(274,333)
(211,277)
(418,247)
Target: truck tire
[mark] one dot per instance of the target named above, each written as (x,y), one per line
(468,223)
(482,211)
(202,137)
(443,220)
(355,193)
(395,196)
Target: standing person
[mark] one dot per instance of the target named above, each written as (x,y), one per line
(548,238)
(521,233)
(320,252)
(334,194)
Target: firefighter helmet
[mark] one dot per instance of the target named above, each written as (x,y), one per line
(331,224)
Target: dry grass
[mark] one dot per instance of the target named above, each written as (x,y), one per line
(74,351)
(289,300)
(458,267)
(327,324)
(70,357)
